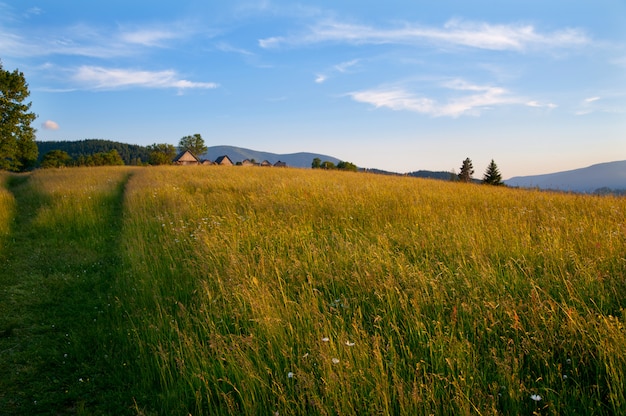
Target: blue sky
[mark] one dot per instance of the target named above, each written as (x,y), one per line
(538,86)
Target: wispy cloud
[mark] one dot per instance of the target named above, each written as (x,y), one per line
(482,35)
(342,67)
(94,41)
(587,106)
(227,47)
(99,78)
(148,36)
(478,99)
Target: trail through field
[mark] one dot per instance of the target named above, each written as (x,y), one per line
(56,351)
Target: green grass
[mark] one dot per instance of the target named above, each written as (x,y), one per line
(59,259)
(255,291)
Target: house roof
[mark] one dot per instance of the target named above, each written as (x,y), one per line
(223,160)
(186,156)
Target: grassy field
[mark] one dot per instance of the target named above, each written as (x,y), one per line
(215,290)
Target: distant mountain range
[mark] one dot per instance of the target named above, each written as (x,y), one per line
(239,154)
(602,177)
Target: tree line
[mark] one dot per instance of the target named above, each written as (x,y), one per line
(492,174)
(318,164)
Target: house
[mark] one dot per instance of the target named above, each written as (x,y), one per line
(186,158)
(224,161)
(207,162)
(280,164)
(266,163)
(247,162)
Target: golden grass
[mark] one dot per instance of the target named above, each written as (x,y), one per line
(260,290)
(7,206)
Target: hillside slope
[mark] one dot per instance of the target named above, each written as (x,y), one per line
(604,175)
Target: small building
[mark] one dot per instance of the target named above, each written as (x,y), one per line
(247,162)
(266,163)
(280,164)
(186,158)
(207,162)
(224,161)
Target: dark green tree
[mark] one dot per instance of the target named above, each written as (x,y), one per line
(18,150)
(161,154)
(317,163)
(56,159)
(467,170)
(347,166)
(328,165)
(195,144)
(492,175)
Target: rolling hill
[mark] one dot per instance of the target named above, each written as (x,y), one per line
(611,175)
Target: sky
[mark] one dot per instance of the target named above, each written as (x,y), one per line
(538,86)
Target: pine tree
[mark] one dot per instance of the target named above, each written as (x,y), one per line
(492,175)
(18,150)
(467,170)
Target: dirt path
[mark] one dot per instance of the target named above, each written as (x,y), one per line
(56,345)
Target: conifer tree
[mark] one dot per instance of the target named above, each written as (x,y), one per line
(467,170)
(18,150)
(492,175)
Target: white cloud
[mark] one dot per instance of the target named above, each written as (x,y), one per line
(320,78)
(591,99)
(482,35)
(94,77)
(148,36)
(481,97)
(50,125)
(395,99)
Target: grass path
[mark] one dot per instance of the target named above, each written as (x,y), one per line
(55,354)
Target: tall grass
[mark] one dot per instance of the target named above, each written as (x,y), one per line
(254,291)
(7,206)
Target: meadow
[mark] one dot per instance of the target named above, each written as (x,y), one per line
(232,290)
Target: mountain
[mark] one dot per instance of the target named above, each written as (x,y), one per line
(611,175)
(239,154)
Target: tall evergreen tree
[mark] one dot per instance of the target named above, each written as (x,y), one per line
(18,150)
(492,175)
(467,170)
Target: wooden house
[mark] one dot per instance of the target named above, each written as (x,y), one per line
(186,158)
(224,161)
(280,164)
(247,162)
(266,163)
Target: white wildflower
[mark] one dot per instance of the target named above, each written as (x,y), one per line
(325,339)
(335,360)
(535,397)
(290,374)
(350,344)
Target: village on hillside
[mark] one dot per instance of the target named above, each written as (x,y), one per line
(187,158)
